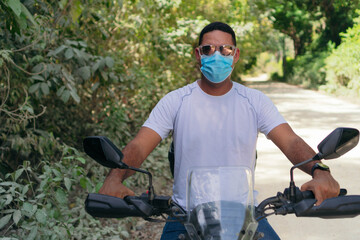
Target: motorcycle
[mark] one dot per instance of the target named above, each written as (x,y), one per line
(219,200)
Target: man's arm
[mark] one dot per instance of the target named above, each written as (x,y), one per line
(297,150)
(135,152)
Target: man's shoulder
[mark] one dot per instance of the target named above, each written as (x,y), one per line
(247,92)
(186,90)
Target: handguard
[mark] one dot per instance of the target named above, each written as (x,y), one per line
(338,207)
(104,206)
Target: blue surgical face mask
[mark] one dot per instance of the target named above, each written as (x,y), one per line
(216,68)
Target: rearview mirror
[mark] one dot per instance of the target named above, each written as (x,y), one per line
(338,142)
(103,151)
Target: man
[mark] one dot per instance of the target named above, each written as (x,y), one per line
(215,122)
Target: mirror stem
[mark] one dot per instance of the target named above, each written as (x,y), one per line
(292,183)
(151,188)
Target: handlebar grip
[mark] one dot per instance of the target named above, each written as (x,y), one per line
(104,206)
(309,194)
(343,192)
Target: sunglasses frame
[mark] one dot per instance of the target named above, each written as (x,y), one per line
(217,48)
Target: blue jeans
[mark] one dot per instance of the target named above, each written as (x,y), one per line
(172,230)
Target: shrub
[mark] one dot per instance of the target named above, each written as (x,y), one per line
(343,65)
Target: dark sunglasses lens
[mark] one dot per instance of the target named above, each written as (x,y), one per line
(226,50)
(206,50)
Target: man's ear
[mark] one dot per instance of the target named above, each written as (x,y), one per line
(197,55)
(236,56)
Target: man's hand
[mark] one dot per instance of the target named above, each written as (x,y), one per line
(323,185)
(113,186)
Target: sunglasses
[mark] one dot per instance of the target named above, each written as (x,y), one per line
(224,50)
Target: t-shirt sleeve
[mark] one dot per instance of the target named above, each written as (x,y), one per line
(162,117)
(268,115)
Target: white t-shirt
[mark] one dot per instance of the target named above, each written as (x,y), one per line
(211,130)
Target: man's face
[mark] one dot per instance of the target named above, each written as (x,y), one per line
(217,38)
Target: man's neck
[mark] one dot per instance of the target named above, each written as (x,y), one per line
(215,89)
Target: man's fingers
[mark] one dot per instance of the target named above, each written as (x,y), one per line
(317,192)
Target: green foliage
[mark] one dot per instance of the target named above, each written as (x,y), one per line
(293,19)
(311,22)
(69,69)
(307,70)
(73,68)
(45,201)
(343,65)
(18,16)
(311,25)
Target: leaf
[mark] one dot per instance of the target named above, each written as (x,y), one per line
(84,72)
(41,195)
(82,160)
(18,173)
(38,68)
(9,199)
(65,96)
(5,220)
(69,53)
(7,183)
(15,6)
(109,62)
(38,77)
(102,63)
(62,4)
(28,15)
(29,109)
(21,20)
(32,234)
(34,88)
(83,44)
(56,172)
(25,190)
(125,234)
(41,216)
(28,207)
(83,182)
(16,216)
(60,196)
(59,49)
(98,186)
(95,86)
(45,88)
(60,91)
(95,66)
(67,182)
(72,43)
(104,75)
(75,96)
(76,10)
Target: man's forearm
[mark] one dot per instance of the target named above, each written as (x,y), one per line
(132,157)
(300,151)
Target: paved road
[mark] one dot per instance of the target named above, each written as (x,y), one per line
(313,116)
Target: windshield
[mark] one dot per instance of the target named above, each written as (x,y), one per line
(220,203)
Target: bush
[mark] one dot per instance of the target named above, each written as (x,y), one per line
(343,65)
(307,70)
(46,200)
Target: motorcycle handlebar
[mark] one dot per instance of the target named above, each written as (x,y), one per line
(338,207)
(309,194)
(104,206)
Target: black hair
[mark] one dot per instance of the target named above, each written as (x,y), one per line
(217,26)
